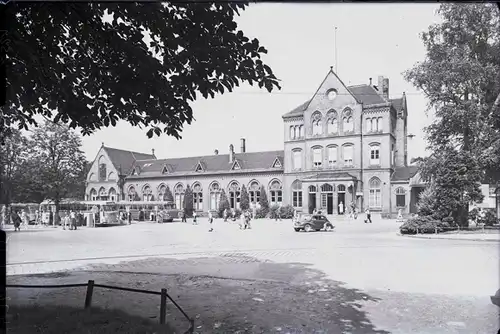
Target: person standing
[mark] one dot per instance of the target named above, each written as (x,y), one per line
(210,221)
(243,223)
(341,208)
(16,220)
(72,216)
(25,219)
(368,216)
(194,218)
(225,215)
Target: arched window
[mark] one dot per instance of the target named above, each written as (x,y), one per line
(147,194)
(400,197)
(301,131)
(348,124)
(297,159)
(348,154)
(234,195)
(197,197)
(103,194)
(131,194)
(317,155)
(162,193)
(312,189)
(333,126)
(374,154)
(214,195)
(316,124)
(292,132)
(374,125)
(112,195)
(275,189)
(254,192)
(379,124)
(297,194)
(179,196)
(93,194)
(326,188)
(332,156)
(341,188)
(375,200)
(369,125)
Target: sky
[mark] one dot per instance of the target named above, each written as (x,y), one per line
(372,40)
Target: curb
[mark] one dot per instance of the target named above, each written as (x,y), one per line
(445,238)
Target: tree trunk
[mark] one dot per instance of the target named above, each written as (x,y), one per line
(56,214)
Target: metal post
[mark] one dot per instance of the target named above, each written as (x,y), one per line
(163,306)
(90,291)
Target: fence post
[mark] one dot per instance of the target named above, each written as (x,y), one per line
(90,291)
(163,306)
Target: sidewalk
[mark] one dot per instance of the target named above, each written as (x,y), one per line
(495,237)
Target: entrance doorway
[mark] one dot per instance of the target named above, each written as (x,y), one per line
(341,199)
(327,198)
(312,199)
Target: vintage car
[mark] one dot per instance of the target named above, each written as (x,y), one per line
(312,222)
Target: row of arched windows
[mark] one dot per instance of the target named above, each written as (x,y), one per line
(331,123)
(374,124)
(103,194)
(297,132)
(233,194)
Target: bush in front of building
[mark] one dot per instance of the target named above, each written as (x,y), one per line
(245,201)
(286,212)
(263,201)
(223,204)
(188,202)
(489,218)
(424,225)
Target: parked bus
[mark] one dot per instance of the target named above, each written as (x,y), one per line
(100,213)
(147,210)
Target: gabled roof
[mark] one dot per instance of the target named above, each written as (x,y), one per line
(125,159)
(236,165)
(404,173)
(363,93)
(397,104)
(366,94)
(277,163)
(199,167)
(250,161)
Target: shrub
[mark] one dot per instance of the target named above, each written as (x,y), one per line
(489,218)
(425,224)
(245,201)
(188,202)
(223,204)
(261,213)
(286,212)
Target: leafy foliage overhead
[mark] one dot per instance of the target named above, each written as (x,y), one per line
(70,64)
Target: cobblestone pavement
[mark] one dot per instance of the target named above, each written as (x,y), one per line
(407,274)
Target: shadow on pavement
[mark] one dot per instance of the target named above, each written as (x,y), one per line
(234,295)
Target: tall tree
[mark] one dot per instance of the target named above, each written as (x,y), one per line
(57,150)
(75,62)
(223,203)
(168,195)
(245,201)
(263,201)
(460,78)
(188,201)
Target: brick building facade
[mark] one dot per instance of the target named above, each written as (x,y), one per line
(345,144)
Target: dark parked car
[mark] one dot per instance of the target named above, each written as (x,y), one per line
(309,223)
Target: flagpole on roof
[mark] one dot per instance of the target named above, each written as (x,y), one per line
(335,49)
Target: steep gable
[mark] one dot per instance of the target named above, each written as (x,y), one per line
(277,163)
(236,165)
(124,160)
(199,167)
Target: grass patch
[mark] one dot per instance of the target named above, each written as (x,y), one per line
(65,319)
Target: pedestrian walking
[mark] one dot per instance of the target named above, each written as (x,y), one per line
(341,208)
(225,214)
(25,219)
(194,218)
(16,220)
(242,223)
(368,216)
(248,219)
(210,221)
(233,215)
(183,217)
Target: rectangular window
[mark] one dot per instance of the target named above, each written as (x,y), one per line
(375,198)
(323,200)
(374,155)
(392,154)
(348,154)
(297,159)
(317,157)
(400,200)
(332,156)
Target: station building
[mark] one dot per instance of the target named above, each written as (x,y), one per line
(345,144)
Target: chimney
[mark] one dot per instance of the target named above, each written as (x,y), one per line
(231,153)
(383,86)
(370,81)
(216,152)
(243,150)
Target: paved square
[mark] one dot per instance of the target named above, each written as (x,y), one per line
(402,273)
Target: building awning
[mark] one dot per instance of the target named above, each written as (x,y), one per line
(328,176)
